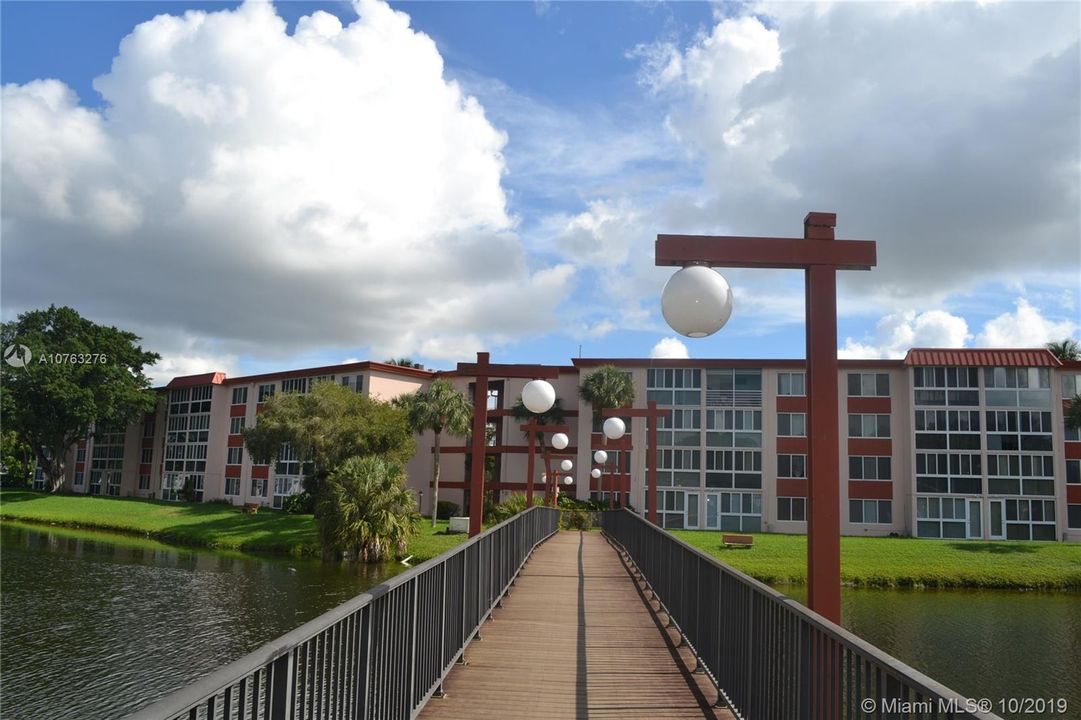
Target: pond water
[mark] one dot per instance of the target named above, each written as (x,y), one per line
(982,643)
(96,625)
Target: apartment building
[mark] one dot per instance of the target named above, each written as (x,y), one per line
(949,444)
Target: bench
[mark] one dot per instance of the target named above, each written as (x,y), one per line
(251,508)
(737,540)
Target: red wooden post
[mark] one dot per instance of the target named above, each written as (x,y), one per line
(820,256)
(480,427)
(651,449)
(529,469)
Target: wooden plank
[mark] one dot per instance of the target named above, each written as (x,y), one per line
(575,639)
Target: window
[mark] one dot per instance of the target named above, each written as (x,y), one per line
(870,468)
(734,468)
(295,385)
(870,512)
(680,427)
(791,424)
(791,383)
(734,428)
(148,428)
(958,473)
(736,511)
(80,454)
(144,482)
(235,456)
(146,456)
(674,386)
(78,481)
(289,464)
(258,487)
(868,426)
(232,486)
(236,424)
(791,466)
(1030,519)
(1071,385)
(941,386)
(868,385)
(1013,387)
(1073,517)
(1073,472)
(941,517)
(1070,434)
(734,388)
(266,392)
(240,395)
(792,508)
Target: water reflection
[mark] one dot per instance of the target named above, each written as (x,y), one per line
(96,625)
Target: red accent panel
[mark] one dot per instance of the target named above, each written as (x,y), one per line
(1073,493)
(869,405)
(597,441)
(1073,451)
(870,446)
(1035,357)
(144,469)
(261,472)
(870,490)
(82,443)
(792,445)
(235,441)
(791,487)
(787,403)
(259,408)
(232,471)
(238,410)
(214,378)
(79,467)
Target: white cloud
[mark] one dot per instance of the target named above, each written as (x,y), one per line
(1026,327)
(895,334)
(271,191)
(669,347)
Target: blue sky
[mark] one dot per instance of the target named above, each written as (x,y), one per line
(453,177)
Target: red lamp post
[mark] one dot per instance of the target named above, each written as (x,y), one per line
(530,428)
(820,256)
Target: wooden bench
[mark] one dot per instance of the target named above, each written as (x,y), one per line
(737,540)
(251,508)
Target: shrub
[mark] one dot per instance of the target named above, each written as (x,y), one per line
(445,509)
(301,503)
(576,519)
(510,507)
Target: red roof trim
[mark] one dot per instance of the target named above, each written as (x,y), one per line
(213,378)
(966,357)
(340,369)
(725,363)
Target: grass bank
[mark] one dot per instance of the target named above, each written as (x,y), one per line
(212,525)
(907,562)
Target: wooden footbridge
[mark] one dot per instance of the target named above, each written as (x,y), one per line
(525,621)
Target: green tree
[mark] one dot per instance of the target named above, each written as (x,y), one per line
(1066,349)
(1073,413)
(16,460)
(405,362)
(555,415)
(365,507)
(81,374)
(328,425)
(439,408)
(607,387)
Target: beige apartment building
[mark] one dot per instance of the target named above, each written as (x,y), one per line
(945,443)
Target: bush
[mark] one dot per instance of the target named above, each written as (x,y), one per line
(445,509)
(516,503)
(576,519)
(301,503)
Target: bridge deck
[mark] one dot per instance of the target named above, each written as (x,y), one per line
(574,639)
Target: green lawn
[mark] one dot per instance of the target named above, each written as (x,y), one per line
(906,562)
(213,525)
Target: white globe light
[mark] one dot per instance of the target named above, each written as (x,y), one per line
(696,301)
(600,457)
(566,465)
(568,480)
(560,441)
(595,473)
(538,396)
(614,428)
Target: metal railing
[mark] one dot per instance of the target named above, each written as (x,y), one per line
(768,655)
(379,656)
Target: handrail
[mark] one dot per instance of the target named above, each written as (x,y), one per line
(381,654)
(768,655)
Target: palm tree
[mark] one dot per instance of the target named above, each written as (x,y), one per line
(1065,349)
(364,506)
(439,408)
(1073,413)
(405,362)
(555,415)
(607,387)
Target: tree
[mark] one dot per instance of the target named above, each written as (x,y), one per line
(16,461)
(405,362)
(365,507)
(439,408)
(1066,349)
(606,388)
(1073,413)
(80,375)
(327,426)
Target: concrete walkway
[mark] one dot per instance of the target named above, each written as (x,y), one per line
(574,639)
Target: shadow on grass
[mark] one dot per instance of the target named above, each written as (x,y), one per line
(9,495)
(994,548)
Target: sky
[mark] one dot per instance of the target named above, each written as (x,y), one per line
(252,187)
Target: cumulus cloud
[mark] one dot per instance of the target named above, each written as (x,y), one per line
(669,347)
(896,333)
(1025,327)
(271,191)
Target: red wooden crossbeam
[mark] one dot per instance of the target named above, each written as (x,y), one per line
(530,428)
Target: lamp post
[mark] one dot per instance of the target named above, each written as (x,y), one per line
(559,442)
(482,370)
(697,302)
(614,427)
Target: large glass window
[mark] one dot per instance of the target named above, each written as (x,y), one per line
(868,384)
(792,383)
(674,386)
(240,395)
(734,388)
(791,424)
(792,508)
(1028,519)
(870,512)
(734,511)
(870,468)
(266,392)
(868,426)
(791,466)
